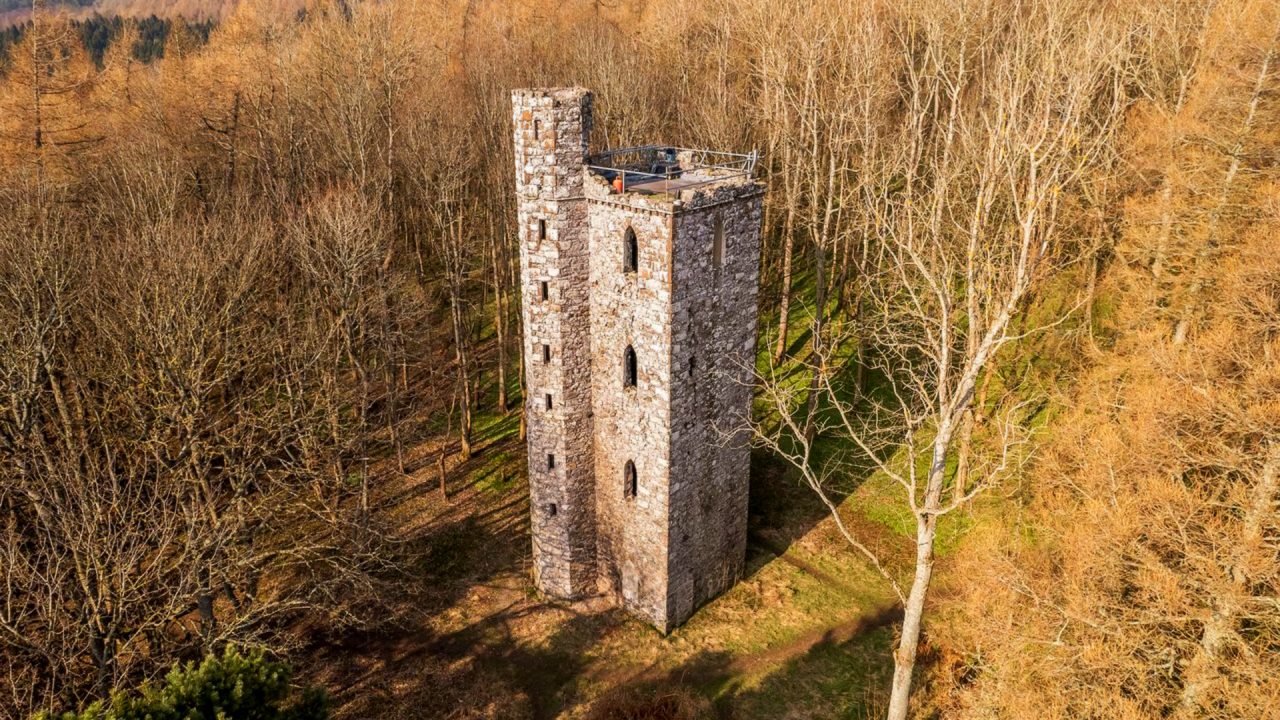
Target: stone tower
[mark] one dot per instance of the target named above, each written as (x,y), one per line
(640,269)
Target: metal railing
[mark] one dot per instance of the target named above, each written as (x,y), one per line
(667,163)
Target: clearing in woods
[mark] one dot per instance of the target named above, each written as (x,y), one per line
(806,633)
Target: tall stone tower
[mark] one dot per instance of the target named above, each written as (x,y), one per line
(551,131)
(640,269)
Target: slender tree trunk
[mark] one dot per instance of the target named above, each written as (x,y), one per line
(904,656)
(784,302)
(500,326)
(1183,326)
(962,456)
(440,471)
(788,248)
(820,369)
(1224,617)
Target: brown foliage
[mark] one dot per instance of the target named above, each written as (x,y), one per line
(1141,579)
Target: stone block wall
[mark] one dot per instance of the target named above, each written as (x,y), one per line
(631,423)
(688,311)
(713,342)
(551,130)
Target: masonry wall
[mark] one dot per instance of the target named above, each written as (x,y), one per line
(631,423)
(551,131)
(713,342)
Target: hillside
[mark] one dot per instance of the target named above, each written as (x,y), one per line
(1016,395)
(18,12)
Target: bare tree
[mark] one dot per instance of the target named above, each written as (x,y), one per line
(996,136)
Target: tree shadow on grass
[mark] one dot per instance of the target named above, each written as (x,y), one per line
(782,506)
(840,672)
(491,668)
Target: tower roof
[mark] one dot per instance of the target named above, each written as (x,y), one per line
(664,169)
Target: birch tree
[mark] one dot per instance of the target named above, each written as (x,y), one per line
(1001,121)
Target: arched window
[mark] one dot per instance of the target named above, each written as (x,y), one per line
(630,252)
(629,367)
(629,480)
(717,245)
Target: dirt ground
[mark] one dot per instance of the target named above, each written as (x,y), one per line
(806,634)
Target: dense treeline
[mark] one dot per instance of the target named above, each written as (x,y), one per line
(97,33)
(238,284)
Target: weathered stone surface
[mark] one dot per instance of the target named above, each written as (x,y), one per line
(689,313)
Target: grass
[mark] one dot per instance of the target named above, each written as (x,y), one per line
(807,632)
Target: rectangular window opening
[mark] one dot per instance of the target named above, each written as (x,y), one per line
(551,461)
(717,245)
(542,229)
(548,401)
(691,364)
(546,353)
(551,509)
(545,290)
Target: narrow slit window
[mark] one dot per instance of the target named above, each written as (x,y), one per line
(545,290)
(551,509)
(692,362)
(548,401)
(551,461)
(629,480)
(630,252)
(629,372)
(717,244)
(542,229)
(537,129)
(546,353)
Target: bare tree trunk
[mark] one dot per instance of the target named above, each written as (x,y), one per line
(500,325)
(820,368)
(440,471)
(1183,326)
(788,248)
(904,656)
(1220,628)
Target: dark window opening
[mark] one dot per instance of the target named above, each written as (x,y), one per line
(542,229)
(717,245)
(546,353)
(629,367)
(691,364)
(537,129)
(551,461)
(546,290)
(551,509)
(629,480)
(630,252)
(548,401)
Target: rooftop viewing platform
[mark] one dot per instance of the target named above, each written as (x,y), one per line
(659,169)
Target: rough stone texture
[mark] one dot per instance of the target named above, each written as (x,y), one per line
(713,324)
(681,539)
(631,423)
(551,130)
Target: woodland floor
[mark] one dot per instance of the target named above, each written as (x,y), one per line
(806,633)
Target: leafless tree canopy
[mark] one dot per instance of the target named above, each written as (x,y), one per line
(239,284)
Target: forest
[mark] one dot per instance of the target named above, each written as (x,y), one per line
(1016,421)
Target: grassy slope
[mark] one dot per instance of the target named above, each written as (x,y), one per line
(807,633)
